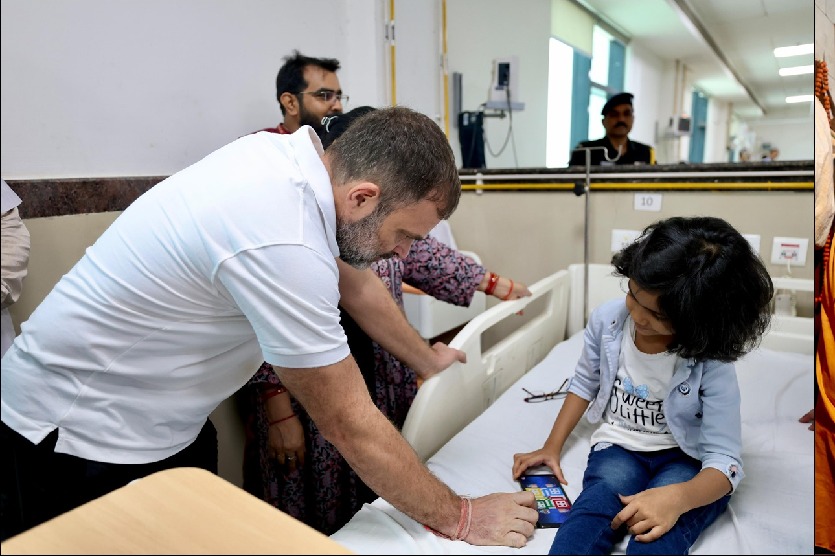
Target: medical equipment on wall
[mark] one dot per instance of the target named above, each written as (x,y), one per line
(502,100)
(504,85)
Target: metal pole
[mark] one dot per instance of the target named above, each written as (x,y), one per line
(586,240)
(586,191)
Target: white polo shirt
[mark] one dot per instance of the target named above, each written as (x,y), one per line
(223,265)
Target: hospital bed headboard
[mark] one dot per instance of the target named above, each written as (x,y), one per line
(789,333)
(603,286)
(450,400)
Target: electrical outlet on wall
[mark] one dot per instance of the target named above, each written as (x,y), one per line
(622,238)
(754,241)
(791,251)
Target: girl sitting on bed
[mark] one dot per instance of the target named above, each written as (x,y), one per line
(657,369)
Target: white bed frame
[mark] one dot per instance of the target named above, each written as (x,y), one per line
(450,400)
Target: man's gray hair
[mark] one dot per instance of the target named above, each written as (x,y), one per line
(402,151)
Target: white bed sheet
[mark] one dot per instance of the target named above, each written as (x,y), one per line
(771,512)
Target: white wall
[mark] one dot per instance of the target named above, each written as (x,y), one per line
(417,47)
(793,137)
(644,78)
(478,32)
(147,87)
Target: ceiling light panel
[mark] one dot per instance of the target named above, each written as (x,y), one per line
(797,70)
(797,50)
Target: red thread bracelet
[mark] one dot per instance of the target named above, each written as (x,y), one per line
(491,284)
(464,522)
(509,292)
(273,392)
(272,423)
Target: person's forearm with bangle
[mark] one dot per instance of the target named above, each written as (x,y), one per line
(501,287)
(277,407)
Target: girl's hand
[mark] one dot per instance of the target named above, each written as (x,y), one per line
(650,514)
(523,461)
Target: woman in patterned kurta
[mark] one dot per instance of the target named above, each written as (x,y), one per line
(325,492)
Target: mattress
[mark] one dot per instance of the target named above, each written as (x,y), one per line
(770,513)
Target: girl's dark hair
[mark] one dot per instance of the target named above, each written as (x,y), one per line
(334,126)
(711,285)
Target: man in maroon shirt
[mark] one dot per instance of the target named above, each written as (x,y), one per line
(307,90)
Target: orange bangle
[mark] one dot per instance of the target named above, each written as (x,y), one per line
(272,423)
(509,292)
(491,284)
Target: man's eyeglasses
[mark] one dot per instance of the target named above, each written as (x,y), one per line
(327,95)
(542,397)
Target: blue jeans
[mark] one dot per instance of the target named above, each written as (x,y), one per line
(613,470)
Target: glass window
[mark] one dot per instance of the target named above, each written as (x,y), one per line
(599,73)
(558,129)
(578,87)
(605,76)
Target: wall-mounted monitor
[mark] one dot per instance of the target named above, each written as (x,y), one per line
(680,125)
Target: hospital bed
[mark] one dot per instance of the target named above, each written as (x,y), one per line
(469,421)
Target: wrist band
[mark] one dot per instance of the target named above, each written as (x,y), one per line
(466,531)
(464,522)
(272,423)
(509,292)
(491,284)
(273,392)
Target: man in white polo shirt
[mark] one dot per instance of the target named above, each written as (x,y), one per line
(240,258)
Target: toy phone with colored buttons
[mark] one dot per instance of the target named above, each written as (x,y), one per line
(552,501)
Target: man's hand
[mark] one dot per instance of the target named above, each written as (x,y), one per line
(503,519)
(444,357)
(650,514)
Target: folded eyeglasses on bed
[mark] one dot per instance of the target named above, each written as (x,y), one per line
(542,397)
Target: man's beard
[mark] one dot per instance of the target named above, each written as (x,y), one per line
(307,118)
(358,242)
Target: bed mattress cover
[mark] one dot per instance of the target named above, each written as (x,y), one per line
(772,512)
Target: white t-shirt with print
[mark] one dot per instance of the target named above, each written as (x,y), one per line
(634,418)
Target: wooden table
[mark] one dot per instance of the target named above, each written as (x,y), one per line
(177,511)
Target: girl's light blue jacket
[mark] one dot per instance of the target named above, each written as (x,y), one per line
(702,408)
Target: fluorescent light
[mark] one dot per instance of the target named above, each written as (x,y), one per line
(797,70)
(800,99)
(784,51)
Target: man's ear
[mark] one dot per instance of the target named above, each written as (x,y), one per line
(363,198)
(290,102)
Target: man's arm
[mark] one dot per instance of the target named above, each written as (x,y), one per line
(366,299)
(337,400)
(15,242)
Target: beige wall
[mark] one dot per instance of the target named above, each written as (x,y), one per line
(529,235)
(532,234)
(524,235)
